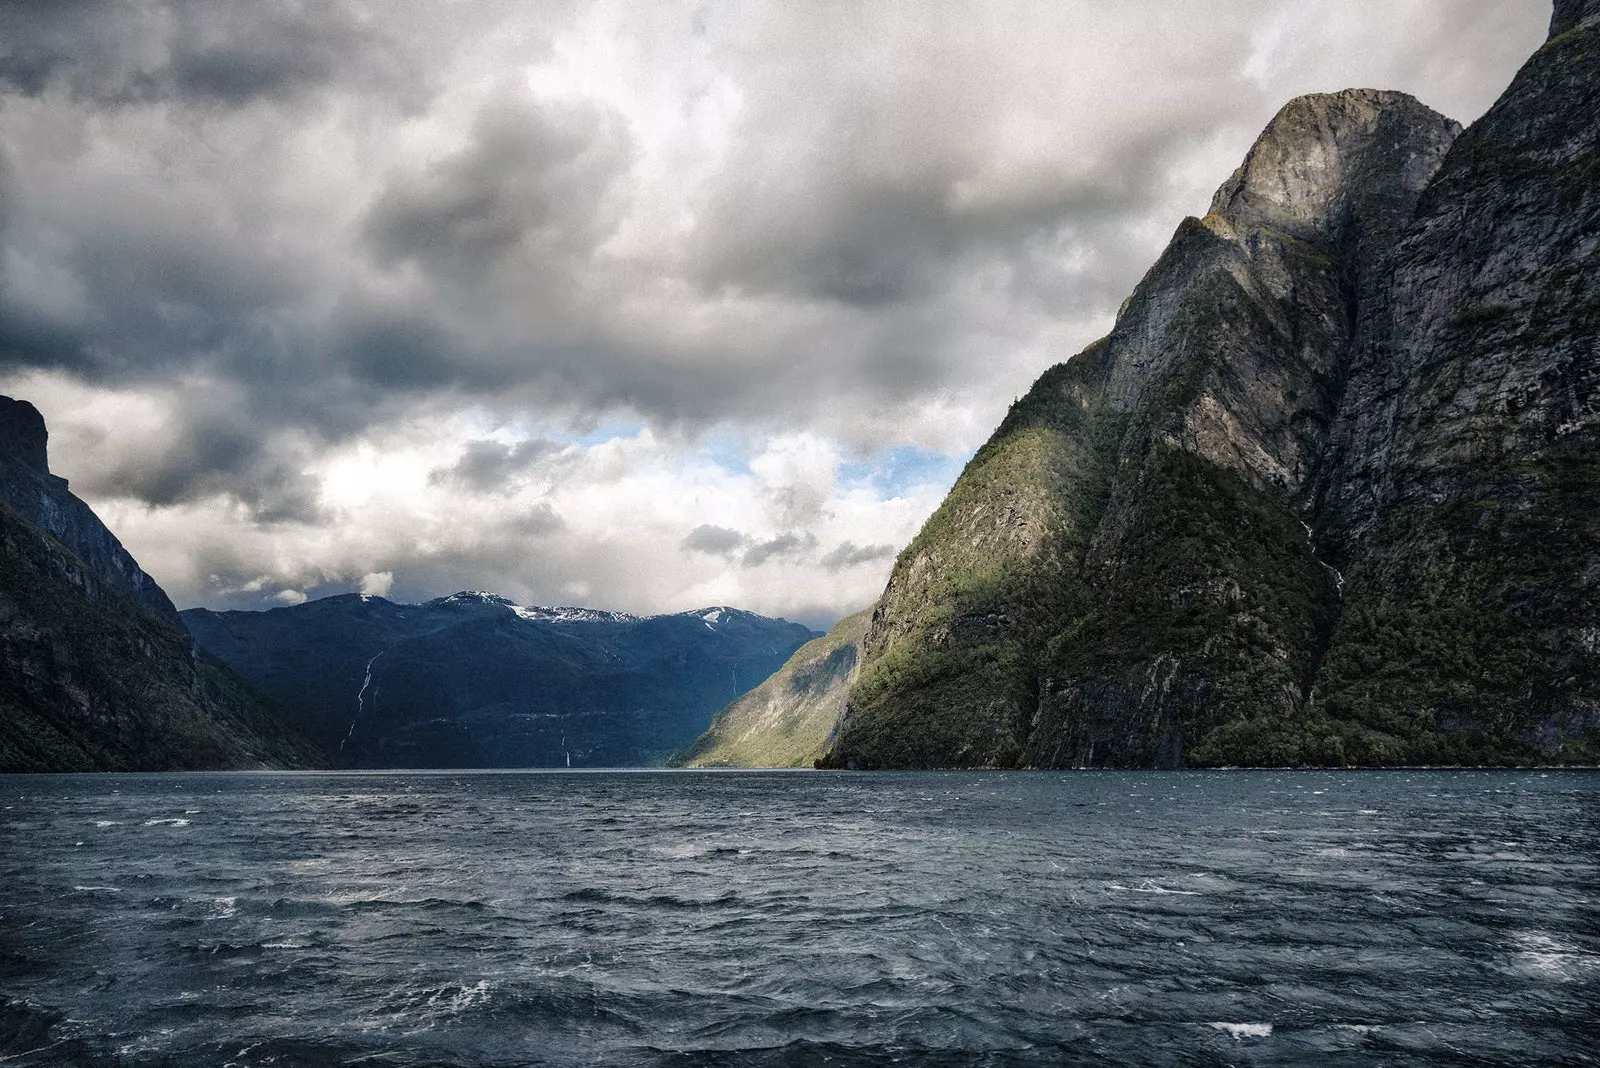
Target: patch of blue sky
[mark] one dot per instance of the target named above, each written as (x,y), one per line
(892,472)
(599,435)
(727,451)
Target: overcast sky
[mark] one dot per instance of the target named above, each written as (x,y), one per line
(644,305)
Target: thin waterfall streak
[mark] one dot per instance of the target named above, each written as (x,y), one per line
(361,700)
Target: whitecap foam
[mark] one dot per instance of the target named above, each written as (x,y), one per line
(1244,1030)
(170,821)
(107,823)
(1543,956)
(104,889)
(1148,887)
(468,996)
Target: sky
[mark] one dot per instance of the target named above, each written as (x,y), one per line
(638,304)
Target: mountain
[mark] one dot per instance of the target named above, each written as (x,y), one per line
(44,500)
(1328,493)
(787,721)
(474,680)
(96,673)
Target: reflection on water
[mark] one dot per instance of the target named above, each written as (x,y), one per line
(796,919)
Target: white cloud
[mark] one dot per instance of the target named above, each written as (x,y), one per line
(377,583)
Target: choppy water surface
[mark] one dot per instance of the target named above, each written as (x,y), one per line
(797,919)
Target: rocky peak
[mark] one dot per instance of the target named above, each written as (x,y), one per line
(1324,156)
(1571,14)
(44,500)
(23,436)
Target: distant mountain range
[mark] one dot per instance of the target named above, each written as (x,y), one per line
(475,680)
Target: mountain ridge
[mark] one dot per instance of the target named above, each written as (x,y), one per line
(1149,563)
(475,680)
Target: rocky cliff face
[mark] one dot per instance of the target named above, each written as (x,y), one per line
(1465,489)
(790,719)
(473,680)
(44,500)
(1324,495)
(91,677)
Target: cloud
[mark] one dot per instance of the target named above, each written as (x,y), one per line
(493,465)
(713,540)
(314,291)
(788,543)
(532,179)
(190,50)
(849,554)
(377,583)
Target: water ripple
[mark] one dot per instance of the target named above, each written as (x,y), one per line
(652,920)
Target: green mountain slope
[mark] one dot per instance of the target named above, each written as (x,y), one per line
(788,720)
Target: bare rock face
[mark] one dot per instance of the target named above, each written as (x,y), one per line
(1573,14)
(1466,488)
(43,499)
(1249,526)
(22,435)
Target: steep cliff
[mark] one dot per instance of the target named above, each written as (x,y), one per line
(91,680)
(1465,496)
(1286,511)
(789,720)
(44,500)
(473,680)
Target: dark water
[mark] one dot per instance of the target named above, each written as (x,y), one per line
(797,919)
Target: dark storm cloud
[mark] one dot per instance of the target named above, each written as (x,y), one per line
(490,466)
(201,51)
(786,544)
(714,540)
(531,176)
(216,453)
(870,239)
(396,348)
(849,554)
(727,543)
(29,338)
